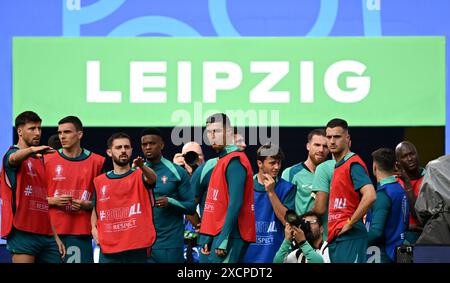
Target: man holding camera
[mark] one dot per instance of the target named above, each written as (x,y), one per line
(273,197)
(303,241)
(190,158)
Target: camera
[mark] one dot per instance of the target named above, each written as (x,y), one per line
(293,219)
(404,254)
(191,158)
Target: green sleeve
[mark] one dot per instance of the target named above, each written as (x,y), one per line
(195,181)
(185,202)
(359,176)
(204,239)
(311,255)
(289,200)
(380,212)
(284,250)
(235,175)
(286,173)
(322,180)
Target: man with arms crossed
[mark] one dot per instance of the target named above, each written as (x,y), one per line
(70,174)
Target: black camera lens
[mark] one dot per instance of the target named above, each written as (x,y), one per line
(292,218)
(191,158)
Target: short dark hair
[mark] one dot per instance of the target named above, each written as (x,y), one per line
(27,117)
(152,131)
(316,132)
(219,118)
(115,136)
(312,213)
(384,158)
(72,120)
(337,122)
(270,148)
(54,141)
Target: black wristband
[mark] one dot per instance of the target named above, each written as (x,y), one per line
(301,243)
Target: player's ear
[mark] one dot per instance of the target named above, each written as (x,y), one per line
(19,131)
(80,134)
(259,164)
(109,152)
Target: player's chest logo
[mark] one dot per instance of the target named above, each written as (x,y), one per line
(104,193)
(30,170)
(164,179)
(58,172)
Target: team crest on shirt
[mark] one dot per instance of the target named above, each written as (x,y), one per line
(103,193)
(30,169)
(58,171)
(164,179)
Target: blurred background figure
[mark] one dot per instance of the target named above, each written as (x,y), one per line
(54,142)
(239,140)
(190,158)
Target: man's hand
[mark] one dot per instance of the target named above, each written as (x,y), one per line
(205,250)
(78,204)
(63,200)
(288,232)
(61,247)
(138,162)
(269,183)
(347,227)
(94,233)
(178,159)
(41,150)
(298,234)
(221,252)
(403,175)
(162,202)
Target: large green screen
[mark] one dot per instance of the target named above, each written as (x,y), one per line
(389,81)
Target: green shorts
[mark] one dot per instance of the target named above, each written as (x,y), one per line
(78,248)
(131,256)
(174,255)
(42,247)
(348,251)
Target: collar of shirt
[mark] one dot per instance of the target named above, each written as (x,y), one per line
(228,149)
(346,157)
(387,180)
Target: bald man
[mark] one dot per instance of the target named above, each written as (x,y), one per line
(190,146)
(411,176)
